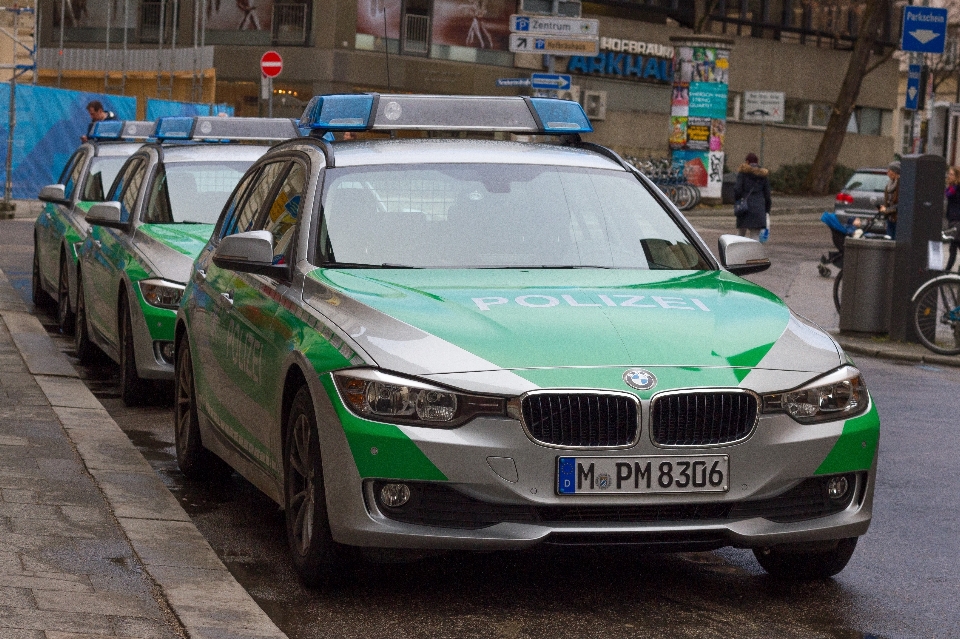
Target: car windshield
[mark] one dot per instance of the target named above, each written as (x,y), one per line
(102,172)
(192,192)
(497,216)
(867,182)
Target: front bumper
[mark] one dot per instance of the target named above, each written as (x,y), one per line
(778,457)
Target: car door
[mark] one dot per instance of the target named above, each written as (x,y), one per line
(228,340)
(54,222)
(109,254)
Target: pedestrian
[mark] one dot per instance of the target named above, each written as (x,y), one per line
(891,197)
(953,213)
(97,114)
(753,188)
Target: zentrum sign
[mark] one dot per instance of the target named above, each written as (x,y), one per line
(628,59)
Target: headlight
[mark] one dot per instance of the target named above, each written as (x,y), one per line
(839,395)
(161,293)
(387,398)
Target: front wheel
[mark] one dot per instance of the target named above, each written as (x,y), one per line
(799,563)
(936,316)
(837,288)
(86,349)
(65,316)
(41,299)
(315,554)
(133,389)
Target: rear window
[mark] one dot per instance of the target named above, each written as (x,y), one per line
(867,182)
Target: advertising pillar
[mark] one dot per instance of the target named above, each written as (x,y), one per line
(698,110)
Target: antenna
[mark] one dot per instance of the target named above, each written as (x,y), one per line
(386,45)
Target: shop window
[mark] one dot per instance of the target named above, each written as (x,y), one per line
(415,38)
(153,14)
(290,23)
(820,114)
(796,112)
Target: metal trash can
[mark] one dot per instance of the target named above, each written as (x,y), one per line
(867,288)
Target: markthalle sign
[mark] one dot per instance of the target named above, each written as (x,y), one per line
(628,60)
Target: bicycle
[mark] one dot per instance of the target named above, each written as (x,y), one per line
(936,314)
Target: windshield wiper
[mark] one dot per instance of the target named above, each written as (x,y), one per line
(359,265)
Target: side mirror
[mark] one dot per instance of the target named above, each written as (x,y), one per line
(250,252)
(741,255)
(106,214)
(53,193)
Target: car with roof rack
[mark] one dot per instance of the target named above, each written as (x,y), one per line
(158,214)
(60,228)
(459,340)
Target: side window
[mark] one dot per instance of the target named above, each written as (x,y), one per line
(158,202)
(71,174)
(128,197)
(246,214)
(231,208)
(283,214)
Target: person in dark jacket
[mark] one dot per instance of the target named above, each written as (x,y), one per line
(891,198)
(753,185)
(97,114)
(953,212)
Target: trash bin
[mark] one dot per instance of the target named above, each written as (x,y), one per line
(867,285)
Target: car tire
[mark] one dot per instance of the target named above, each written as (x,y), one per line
(133,389)
(837,289)
(796,563)
(65,315)
(86,350)
(195,461)
(315,554)
(41,299)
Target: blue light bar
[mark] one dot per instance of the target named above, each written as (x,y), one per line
(174,128)
(344,112)
(561,116)
(106,130)
(121,130)
(375,112)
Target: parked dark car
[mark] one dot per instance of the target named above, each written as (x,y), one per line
(861,196)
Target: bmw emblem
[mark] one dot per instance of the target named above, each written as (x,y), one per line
(640,379)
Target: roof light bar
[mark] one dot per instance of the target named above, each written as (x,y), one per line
(121,130)
(375,112)
(220,128)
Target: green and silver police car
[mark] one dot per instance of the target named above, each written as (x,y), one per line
(438,341)
(137,256)
(61,228)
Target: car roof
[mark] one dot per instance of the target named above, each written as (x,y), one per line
(457,151)
(871,170)
(213,152)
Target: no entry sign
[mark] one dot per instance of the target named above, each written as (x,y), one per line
(271,64)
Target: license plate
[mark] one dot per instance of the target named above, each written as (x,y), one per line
(647,474)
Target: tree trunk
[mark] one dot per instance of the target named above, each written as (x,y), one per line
(818,181)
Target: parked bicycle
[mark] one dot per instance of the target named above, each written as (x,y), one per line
(936,314)
(670,179)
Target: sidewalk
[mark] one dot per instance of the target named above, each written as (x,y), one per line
(24,208)
(93,544)
(884,348)
(781,205)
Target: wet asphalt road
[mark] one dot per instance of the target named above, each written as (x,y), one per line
(903,581)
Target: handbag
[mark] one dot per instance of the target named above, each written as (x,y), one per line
(742,206)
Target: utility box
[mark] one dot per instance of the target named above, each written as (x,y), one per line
(866,294)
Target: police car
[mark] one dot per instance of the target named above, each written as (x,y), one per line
(136,259)
(60,228)
(467,343)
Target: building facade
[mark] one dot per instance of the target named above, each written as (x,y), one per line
(208,50)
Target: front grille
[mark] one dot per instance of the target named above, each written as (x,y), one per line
(581,419)
(700,419)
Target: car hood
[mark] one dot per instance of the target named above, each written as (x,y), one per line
(172,248)
(428,322)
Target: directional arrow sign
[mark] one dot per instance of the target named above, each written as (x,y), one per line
(552,81)
(552,25)
(513,82)
(554,45)
(913,87)
(924,29)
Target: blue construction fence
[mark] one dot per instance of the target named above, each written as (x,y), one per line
(50,122)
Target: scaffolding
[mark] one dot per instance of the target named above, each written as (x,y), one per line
(22,35)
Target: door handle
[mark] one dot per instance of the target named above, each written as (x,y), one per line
(202,273)
(97,243)
(228,298)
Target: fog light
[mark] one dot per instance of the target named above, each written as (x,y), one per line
(394,495)
(164,351)
(837,487)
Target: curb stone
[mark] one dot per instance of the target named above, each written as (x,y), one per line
(896,351)
(201,592)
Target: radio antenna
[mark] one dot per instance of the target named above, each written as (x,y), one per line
(386,44)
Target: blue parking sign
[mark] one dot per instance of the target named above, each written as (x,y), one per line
(913,87)
(924,29)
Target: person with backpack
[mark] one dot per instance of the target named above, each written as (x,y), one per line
(752,198)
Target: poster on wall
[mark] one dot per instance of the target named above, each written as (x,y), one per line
(222,15)
(239,15)
(698,115)
(477,24)
(95,13)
